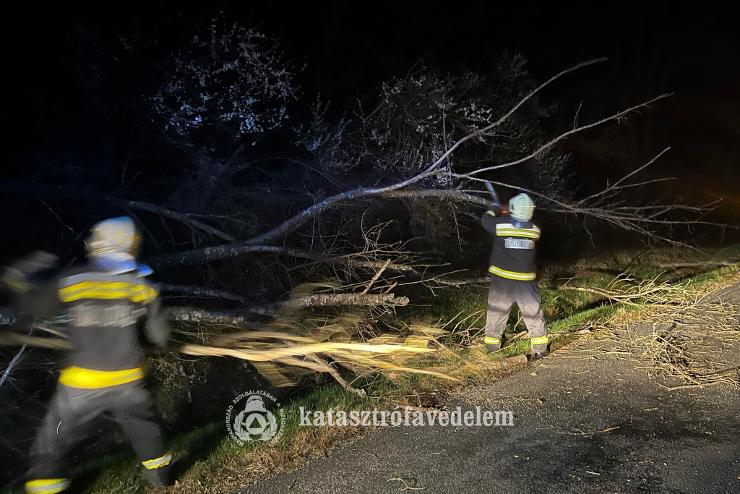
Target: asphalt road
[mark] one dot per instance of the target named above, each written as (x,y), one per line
(586,420)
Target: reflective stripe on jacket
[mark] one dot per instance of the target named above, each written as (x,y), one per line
(513,255)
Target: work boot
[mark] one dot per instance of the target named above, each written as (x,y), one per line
(158,477)
(538,355)
(490,348)
(540,346)
(492,344)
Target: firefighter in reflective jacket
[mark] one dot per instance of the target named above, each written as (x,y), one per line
(513,273)
(107,302)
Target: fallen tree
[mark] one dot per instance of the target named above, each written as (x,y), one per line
(359,199)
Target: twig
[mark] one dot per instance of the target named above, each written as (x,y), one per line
(337,376)
(375,278)
(616,116)
(404,485)
(13,362)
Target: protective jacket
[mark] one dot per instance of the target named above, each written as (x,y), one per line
(108,320)
(513,255)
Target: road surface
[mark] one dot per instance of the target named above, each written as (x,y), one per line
(586,420)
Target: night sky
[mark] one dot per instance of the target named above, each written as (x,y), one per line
(76,76)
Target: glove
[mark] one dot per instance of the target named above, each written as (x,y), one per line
(35,262)
(499,209)
(16,276)
(156,326)
(14,280)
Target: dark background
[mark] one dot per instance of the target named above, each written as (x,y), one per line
(75,124)
(76,76)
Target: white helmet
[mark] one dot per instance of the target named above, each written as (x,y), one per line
(114,235)
(114,244)
(521,207)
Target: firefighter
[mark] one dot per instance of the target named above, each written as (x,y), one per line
(513,273)
(107,302)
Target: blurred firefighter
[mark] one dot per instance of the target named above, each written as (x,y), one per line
(113,313)
(512,267)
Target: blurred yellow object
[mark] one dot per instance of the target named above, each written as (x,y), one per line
(108,290)
(79,377)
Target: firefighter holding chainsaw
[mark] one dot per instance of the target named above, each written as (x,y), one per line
(512,267)
(107,302)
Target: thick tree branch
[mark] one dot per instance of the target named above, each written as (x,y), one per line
(455,195)
(185,314)
(200,292)
(355,260)
(332,300)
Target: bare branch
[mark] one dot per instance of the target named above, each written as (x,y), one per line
(641,219)
(456,195)
(375,278)
(336,375)
(200,292)
(181,217)
(232,250)
(333,300)
(12,364)
(186,314)
(549,144)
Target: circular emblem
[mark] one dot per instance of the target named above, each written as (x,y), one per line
(255,416)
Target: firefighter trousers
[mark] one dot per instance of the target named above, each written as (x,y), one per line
(71,414)
(502,295)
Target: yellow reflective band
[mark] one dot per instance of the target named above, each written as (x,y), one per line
(509,230)
(108,290)
(160,462)
(490,340)
(539,340)
(517,232)
(79,377)
(511,275)
(46,486)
